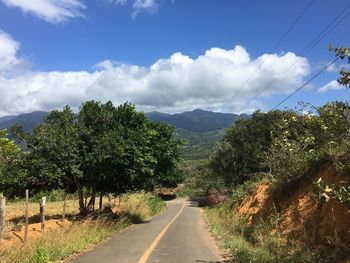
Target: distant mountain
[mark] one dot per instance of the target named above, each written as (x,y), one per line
(198,120)
(6,118)
(28,121)
(201,129)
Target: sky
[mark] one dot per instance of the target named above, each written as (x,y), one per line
(169,55)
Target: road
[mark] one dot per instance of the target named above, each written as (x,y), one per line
(177,235)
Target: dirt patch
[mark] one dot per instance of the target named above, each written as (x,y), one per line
(257,204)
(303,217)
(16,235)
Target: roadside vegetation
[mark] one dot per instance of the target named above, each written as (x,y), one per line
(78,233)
(277,185)
(101,149)
(114,153)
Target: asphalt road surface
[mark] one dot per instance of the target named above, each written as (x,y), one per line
(177,235)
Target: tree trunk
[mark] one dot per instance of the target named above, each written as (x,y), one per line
(91,204)
(100,205)
(64,207)
(82,207)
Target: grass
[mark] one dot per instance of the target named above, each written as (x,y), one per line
(57,245)
(260,243)
(142,205)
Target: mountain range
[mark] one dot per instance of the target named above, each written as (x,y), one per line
(201,129)
(198,120)
(195,121)
(27,120)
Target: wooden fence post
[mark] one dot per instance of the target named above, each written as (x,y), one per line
(64,207)
(2,215)
(42,213)
(100,205)
(25,238)
(110,200)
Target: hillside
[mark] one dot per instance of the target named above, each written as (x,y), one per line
(198,120)
(198,145)
(6,118)
(201,129)
(27,120)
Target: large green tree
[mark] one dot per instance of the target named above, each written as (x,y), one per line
(242,149)
(10,176)
(102,148)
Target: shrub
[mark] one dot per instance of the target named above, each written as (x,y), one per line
(142,206)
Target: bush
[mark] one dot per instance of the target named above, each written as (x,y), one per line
(289,161)
(142,206)
(301,143)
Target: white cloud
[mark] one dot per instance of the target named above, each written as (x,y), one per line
(332,85)
(171,84)
(149,6)
(8,50)
(10,63)
(52,11)
(138,6)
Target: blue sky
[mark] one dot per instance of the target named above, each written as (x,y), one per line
(164,55)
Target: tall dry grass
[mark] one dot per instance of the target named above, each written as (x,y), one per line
(82,234)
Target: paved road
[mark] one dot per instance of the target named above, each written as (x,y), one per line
(177,235)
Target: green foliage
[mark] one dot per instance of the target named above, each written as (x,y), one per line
(301,142)
(9,151)
(343,54)
(288,144)
(199,145)
(101,149)
(241,151)
(52,196)
(10,175)
(199,178)
(339,191)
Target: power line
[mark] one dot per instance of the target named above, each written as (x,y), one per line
(274,48)
(292,26)
(329,28)
(298,89)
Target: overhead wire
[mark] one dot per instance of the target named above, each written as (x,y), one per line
(306,83)
(328,29)
(274,48)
